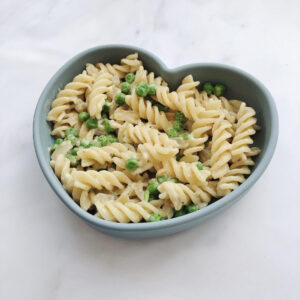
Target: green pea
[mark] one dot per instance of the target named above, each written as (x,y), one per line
(73,160)
(178,126)
(83,116)
(103,140)
(129,78)
(107,126)
(179,116)
(155,218)
(112,139)
(106,109)
(151,89)
(71,131)
(120,99)
(191,208)
(208,87)
(75,150)
(179,213)
(125,87)
(199,165)
(58,141)
(172,133)
(162,107)
(84,143)
(179,156)
(142,89)
(152,188)
(72,139)
(219,89)
(53,147)
(175,180)
(132,164)
(92,123)
(146,195)
(95,143)
(186,136)
(162,178)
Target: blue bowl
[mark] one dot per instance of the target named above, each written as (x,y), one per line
(241,85)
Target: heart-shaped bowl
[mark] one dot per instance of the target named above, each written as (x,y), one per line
(240,85)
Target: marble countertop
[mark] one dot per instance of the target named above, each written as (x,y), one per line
(251,251)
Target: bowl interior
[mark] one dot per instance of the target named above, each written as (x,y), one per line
(240,85)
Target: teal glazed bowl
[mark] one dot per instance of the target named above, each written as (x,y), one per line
(240,84)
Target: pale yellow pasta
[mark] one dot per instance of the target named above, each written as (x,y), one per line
(98,95)
(138,151)
(142,133)
(101,156)
(220,148)
(147,111)
(244,129)
(180,194)
(184,172)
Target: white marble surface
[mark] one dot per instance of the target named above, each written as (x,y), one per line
(251,251)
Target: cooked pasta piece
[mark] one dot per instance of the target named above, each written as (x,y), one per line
(180,194)
(147,111)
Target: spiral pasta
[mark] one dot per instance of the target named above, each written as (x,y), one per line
(141,134)
(244,129)
(129,149)
(180,194)
(147,111)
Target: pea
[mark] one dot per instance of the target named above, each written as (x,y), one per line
(151,89)
(132,164)
(180,117)
(199,165)
(72,139)
(208,87)
(71,131)
(120,99)
(155,218)
(162,107)
(106,109)
(112,139)
(84,143)
(175,180)
(103,140)
(186,136)
(53,147)
(83,116)
(75,150)
(162,178)
(58,141)
(92,123)
(73,160)
(152,188)
(107,126)
(129,78)
(172,133)
(142,89)
(178,126)
(179,213)
(125,87)
(95,143)
(219,89)
(179,156)
(191,208)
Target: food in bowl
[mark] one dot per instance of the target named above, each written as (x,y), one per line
(128,149)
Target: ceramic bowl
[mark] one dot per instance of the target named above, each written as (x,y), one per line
(240,85)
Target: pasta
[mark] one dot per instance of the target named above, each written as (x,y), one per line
(128,149)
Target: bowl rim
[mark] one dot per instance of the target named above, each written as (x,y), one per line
(149,226)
